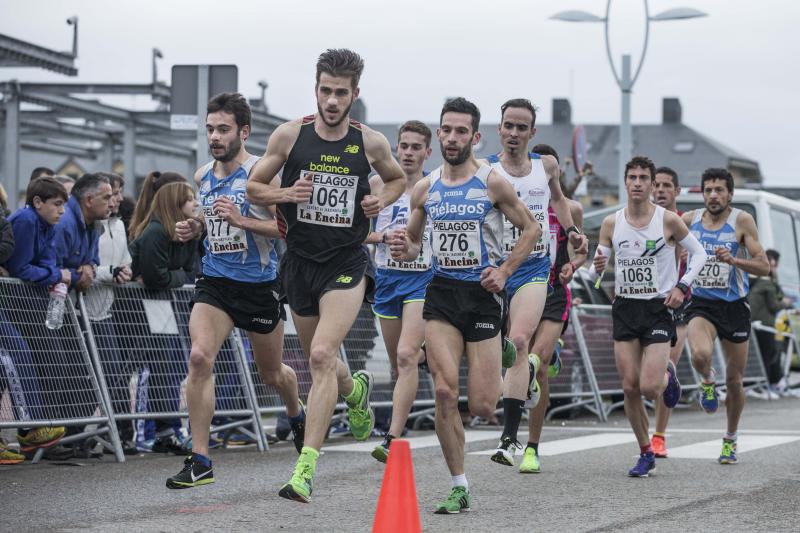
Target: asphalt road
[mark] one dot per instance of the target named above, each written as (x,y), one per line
(583,486)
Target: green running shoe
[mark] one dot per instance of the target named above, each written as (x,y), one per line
(530,462)
(360,414)
(728,455)
(509,353)
(381,451)
(554,368)
(300,486)
(459,501)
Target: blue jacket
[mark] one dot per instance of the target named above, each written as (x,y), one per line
(34,257)
(76,244)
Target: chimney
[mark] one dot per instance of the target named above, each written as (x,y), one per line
(562,111)
(671,112)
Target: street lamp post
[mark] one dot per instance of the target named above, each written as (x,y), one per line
(624,80)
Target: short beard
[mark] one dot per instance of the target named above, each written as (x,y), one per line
(717,210)
(230,153)
(460,158)
(345,115)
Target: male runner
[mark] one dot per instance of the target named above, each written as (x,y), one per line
(465,301)
(535,181)
(400,286)
(643,236)
(324,204)
(666,189)
(238,284)
(554,320)
(719,305)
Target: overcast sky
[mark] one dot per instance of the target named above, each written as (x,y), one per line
(736,71)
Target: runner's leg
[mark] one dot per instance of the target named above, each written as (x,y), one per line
(268,354)
(628,356)
(736,360)
(408,354)
(701,341)
(544,343)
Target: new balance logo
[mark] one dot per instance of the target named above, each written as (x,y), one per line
(351,149)
(344,279)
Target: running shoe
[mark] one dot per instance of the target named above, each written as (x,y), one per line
(300,486)
(709,400)
(458,501)
(360,414)
(504,454)
(530,462)
(659,445)
(554,368)
(40,438)
(299,429)
(534,392)
(509,353)
(238,438)
(645,466)
(194,474)
(672,394)
(168,444)
(728,454)
(381,451)
(9,456)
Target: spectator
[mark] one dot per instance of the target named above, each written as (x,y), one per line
(152,183)
(4,210)
(126,207)
(6,243)
(42,172)
(766,299)
(161,261)
(114,268)
(34,260)
(67,181)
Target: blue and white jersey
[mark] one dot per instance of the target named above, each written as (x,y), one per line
(390,218)
(231,252)
(467,228)
(534,191)
(718,280)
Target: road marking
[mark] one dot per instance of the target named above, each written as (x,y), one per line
(416,442)
(746,443)
(577,444)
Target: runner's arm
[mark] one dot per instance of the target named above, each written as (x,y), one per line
(757,265)
(579,256)
(405,243)
(560,202)
(506,200)
(261,188)
(684,238)
(375,187)
(604,248)
(379,154)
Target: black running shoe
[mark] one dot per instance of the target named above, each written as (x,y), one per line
(299,430)
(169,444)
(193,474)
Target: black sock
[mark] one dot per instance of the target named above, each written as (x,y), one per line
(512,411)
(534,445)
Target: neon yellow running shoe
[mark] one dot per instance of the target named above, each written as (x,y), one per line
(301,484)
(458,501)
(9,456)
(728,454)
(509,353)
(530,462)
(359,413)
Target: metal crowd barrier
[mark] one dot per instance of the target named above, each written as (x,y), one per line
(50,374)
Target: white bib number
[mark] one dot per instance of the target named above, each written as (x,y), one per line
(421,264)
(457,243)
(511,235)
(222,237)
(714,274)
(332,200)
(637,276)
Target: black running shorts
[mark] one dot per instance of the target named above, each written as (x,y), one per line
(731,319)
(305,281)
(477,313)
(649,321)
(252,307)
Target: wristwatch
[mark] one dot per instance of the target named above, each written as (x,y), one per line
(572,229)
(681,286)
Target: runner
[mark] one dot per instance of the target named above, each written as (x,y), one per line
(666,188)
(719,305)
(238,285)
(553,322)
(646,288)
(324,204)
(465,301)
(400,286)
(535,181)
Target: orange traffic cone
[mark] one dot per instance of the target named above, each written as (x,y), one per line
(398,510)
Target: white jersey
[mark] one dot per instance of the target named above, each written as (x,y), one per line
(534,191)
(645,262)
(396,216)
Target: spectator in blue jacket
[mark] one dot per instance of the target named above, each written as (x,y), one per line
(79,230)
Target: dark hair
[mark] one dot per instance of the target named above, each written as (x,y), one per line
(126,207)
(545,149)
(641,161)
(416,126)
(114,179)
(341,63)
(462,105)
(671,173)
(523,103)
(45,188)
(717,174)
(41,171)
(88,184)
(773,254)
(234,104)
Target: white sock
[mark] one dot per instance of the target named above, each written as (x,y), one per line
(730,436)
(460,481)
(710,377)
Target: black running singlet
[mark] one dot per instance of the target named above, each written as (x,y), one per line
(333,219)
